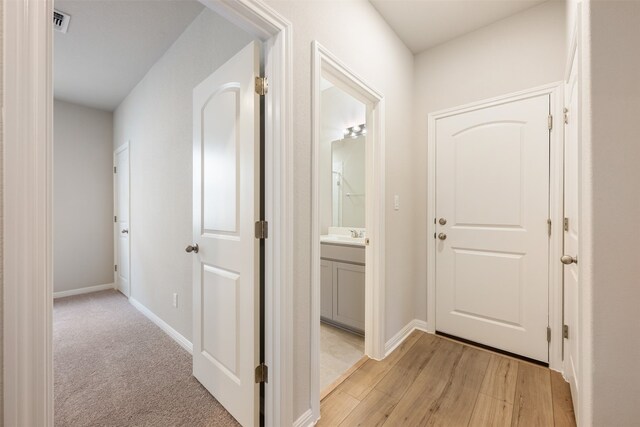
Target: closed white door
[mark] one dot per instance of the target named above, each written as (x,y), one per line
(121,212)
(492,243)
(226,194)
(571,191)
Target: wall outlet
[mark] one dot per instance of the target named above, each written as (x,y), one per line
(175,300)
(396,202)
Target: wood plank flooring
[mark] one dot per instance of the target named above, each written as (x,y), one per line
(429,380)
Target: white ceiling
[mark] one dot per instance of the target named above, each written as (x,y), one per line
(422,24)
(111,44)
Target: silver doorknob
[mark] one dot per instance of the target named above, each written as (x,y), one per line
(442,236)
(125,231)
(442,221)
(193,248)
(568,259)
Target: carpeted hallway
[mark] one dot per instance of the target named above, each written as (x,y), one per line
(114,367)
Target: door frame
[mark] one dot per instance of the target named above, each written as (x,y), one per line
(27,205)
(556,203)
(324,62)
(117,151)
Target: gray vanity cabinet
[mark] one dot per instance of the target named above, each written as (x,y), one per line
(342,285)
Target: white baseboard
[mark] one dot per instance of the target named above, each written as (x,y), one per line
(402,335)
(80,291)
(305,420)
(177,337)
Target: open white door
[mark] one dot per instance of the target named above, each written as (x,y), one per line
(492,245)
(571,191)
(226,194)
(121,212)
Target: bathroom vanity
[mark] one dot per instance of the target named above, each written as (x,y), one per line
(342,281)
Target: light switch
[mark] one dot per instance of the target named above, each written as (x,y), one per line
(396,202)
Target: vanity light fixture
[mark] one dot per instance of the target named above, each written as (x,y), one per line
(355,131)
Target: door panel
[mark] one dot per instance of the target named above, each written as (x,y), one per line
(226,194)
(571,234)
(121,212)
(492,185)
(348,294)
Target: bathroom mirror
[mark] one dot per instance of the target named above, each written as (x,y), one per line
(342,159)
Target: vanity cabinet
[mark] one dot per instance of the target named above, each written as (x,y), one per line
(342,286)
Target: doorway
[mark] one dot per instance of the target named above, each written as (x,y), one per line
(347,217)
(121,218)
(30,369)
(495,208)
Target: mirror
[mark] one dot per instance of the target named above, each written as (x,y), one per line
(342,159)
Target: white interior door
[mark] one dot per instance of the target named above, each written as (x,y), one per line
(121,212)
(571,191)
(226,190)
(492,190)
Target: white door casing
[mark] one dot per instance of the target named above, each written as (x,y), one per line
(571,229)
(121,223)
(226,174)
(492,188)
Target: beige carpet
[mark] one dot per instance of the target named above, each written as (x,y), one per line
(114,367)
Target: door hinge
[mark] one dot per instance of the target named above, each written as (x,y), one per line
(262,373)
(262,86)
(548,334)
(566,224)
(115,267)
(550,122)
(549,227)
(565,332)
(115,169)
(262,229)
(566,116)
(115,219)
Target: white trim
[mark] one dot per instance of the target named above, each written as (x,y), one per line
(554,90)
(85,290)
(28,100)
(175,335)
(28,231)
(305,420)
(325,64)
(403,334)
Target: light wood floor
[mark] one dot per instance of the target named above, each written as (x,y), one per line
(430,380)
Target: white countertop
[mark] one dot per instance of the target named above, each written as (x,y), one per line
(337,239)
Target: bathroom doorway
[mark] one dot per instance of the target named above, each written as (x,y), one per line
(347,227)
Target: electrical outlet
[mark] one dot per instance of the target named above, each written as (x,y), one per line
(396,202)
(175,300)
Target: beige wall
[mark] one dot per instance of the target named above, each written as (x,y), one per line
(157,121)
(359,37)
(612,277)
(82,196)
(517,53)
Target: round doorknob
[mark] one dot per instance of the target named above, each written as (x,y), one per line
(442,221)
(442,236)
(193,248)
(568,259)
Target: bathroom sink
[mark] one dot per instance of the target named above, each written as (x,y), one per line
(342,240)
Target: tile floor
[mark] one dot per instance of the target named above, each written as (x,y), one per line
(339,350)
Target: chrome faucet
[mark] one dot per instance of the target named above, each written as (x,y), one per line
(356,233)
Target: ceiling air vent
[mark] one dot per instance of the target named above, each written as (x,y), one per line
(60,21)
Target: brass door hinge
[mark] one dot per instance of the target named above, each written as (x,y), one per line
(262,229)
(262,86)
(115,169)
(115,267)
(566,116)
(565,332)
(549,227)
(262,373)
(548,334)
(550,122)
(115,219)
(566,224)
